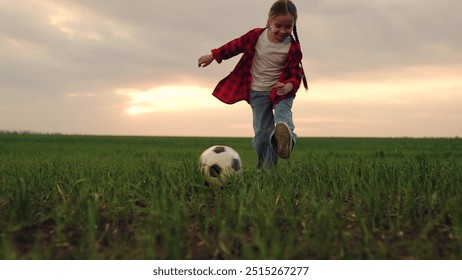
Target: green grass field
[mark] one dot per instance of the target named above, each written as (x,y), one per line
(90,197)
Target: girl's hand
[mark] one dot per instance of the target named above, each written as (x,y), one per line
(283,89)
(205,60)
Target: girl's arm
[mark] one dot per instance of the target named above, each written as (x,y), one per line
(283,89)
(230,49)
(205,60)
(290,79)
(293,72)
(236,46)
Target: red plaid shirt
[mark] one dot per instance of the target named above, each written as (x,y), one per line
(237,85)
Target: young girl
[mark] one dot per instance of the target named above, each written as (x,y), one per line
(267,76)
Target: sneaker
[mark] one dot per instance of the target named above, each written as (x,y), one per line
(283,139)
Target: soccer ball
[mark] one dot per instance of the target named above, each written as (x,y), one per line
(219,163)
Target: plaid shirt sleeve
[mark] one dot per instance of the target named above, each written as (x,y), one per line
(236,46)
(236,86)
(292,73)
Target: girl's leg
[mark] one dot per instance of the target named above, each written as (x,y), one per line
(263,125)
(283,114)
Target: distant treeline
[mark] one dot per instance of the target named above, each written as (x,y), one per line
(27,132)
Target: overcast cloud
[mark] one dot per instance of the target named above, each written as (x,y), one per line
(69,65)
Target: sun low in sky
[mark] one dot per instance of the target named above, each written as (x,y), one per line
(167,99)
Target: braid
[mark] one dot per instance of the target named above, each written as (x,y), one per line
(296,34)
(305,82)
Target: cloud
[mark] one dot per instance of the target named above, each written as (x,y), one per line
(360,36)
(414,102)
(69,58)
(93,44)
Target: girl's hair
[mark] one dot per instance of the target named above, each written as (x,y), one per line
(283,7)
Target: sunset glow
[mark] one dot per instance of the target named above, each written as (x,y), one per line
(375,68)
(167,99)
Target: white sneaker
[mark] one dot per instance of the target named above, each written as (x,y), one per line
(283,139)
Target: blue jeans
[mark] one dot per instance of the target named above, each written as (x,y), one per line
(263,125)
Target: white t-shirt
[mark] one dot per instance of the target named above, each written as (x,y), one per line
(268,62)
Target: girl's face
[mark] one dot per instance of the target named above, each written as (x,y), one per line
(281,26)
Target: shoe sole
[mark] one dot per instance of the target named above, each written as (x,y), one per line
(283,139)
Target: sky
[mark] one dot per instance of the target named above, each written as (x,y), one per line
(376,68)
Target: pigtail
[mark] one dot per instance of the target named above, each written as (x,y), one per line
(305,82)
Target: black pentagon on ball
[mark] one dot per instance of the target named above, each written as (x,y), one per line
(235,164)
(215,171)
(219,149)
